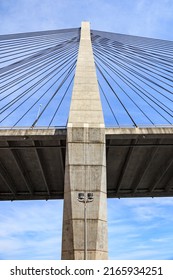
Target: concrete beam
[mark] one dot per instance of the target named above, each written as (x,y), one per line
(149,132)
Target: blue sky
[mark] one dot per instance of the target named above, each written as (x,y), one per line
(138,228)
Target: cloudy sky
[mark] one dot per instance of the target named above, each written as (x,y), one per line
(138,228)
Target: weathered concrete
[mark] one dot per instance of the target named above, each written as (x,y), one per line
(85,169)
(154,132)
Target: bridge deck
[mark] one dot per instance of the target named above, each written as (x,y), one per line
(139,163)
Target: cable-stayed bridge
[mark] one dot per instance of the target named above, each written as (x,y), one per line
(37,73)
(85,111)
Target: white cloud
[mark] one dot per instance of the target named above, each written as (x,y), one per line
(140,228)
(31,230)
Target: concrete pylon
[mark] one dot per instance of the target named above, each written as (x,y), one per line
(85,169)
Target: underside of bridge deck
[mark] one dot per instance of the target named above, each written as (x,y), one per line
(139,163)
(32,164)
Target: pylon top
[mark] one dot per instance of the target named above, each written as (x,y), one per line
(85,24)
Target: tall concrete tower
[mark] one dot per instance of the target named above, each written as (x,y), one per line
(85,169)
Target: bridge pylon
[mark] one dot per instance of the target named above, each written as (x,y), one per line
(85,169)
